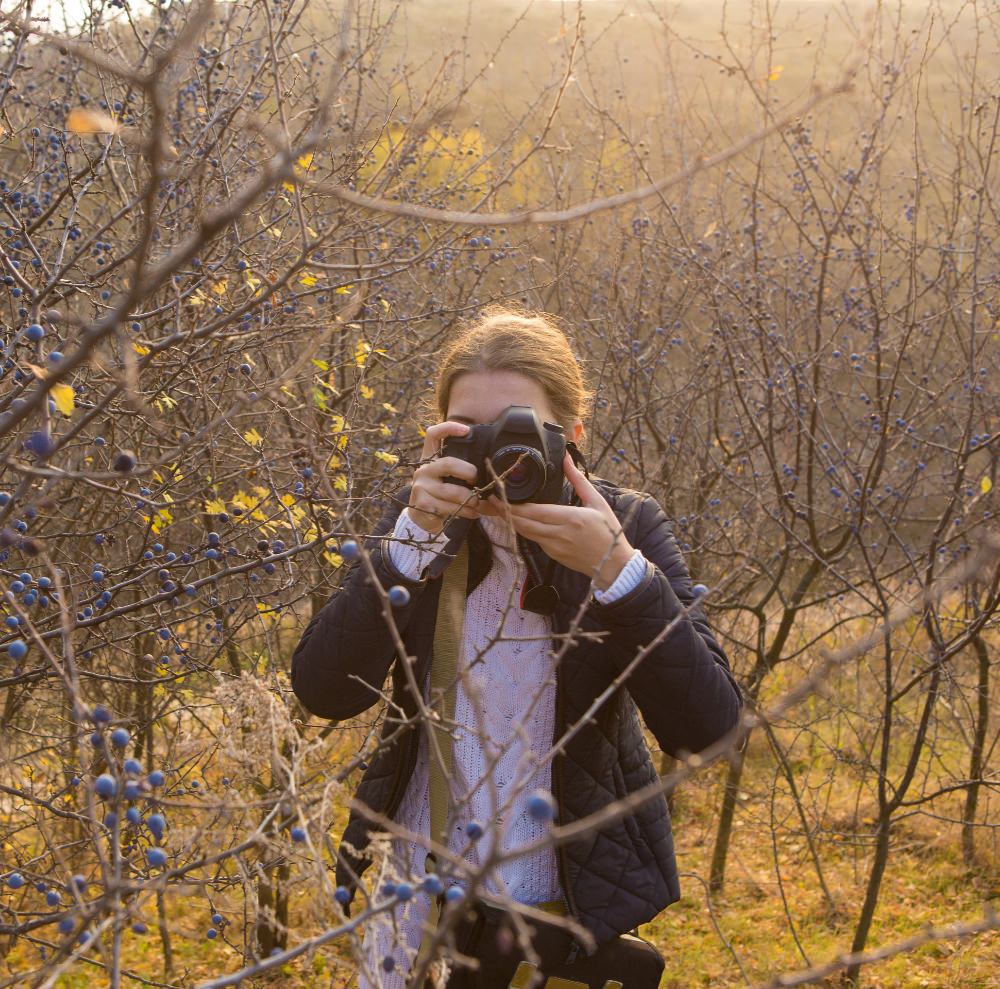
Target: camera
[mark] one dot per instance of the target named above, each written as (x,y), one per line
(524,452)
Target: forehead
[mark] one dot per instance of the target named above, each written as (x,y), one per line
(481,396)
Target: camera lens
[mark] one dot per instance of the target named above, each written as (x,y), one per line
(522,470)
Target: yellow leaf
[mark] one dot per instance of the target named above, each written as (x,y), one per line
(985,485)
(83,120)
(140,349)
(322,365)
(709,230)
(389,407)
(367,392)
(216,507)
(775,73)
(242,500)
(361,351)
(344,289)
(288,186)
(253,437)
(340,483)
(386,458)
(63,396)
(251,281)
(219,288)
(334,559)
(308,280)
(337,423)
(306,161)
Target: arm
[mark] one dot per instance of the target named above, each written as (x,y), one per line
(344,655)
(683,687)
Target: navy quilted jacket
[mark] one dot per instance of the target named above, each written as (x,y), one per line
(620,875)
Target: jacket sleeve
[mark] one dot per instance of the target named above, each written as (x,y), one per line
(344,655)
(683,686)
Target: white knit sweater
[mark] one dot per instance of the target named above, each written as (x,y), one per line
(505,710)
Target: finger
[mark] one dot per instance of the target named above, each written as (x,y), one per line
(444,467)
(436,434)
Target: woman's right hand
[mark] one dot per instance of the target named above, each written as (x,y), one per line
(433,500)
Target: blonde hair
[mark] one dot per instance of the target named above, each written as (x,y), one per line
(502,340)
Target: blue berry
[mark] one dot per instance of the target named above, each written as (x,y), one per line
(17,649)
(298,834)
(541,806)
(15,880)
(474,830)
(105,786)
(433,886)
(119,738)
(404,891)
(350,550)
(398,596)
(156,857)
(454,893)
(35,332)
(156,778)
(342,895)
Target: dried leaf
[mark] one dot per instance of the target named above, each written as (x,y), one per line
(84,120)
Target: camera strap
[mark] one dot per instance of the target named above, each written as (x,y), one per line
(578,459)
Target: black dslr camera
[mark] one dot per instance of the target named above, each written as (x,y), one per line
(525,453)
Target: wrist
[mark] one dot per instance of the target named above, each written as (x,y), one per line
(617,559)
(429,522)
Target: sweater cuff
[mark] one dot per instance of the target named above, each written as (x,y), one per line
(626,581)
(412,548)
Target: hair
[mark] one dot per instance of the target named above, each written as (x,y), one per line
(503,340)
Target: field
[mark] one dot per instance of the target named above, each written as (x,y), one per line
(234,239)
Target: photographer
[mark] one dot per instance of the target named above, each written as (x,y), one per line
(543,557)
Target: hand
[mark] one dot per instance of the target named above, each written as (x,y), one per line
(433,500)
(587,538)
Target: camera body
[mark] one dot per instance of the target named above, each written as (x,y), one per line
(517,447)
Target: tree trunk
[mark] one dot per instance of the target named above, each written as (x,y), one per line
(976,755)
(852,972)
(717,873)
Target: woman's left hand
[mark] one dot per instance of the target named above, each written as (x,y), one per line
(587,538)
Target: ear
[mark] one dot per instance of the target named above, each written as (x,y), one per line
(574,432)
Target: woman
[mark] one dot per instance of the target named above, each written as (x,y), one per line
(602,562)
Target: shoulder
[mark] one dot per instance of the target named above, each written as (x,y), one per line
(638,511)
